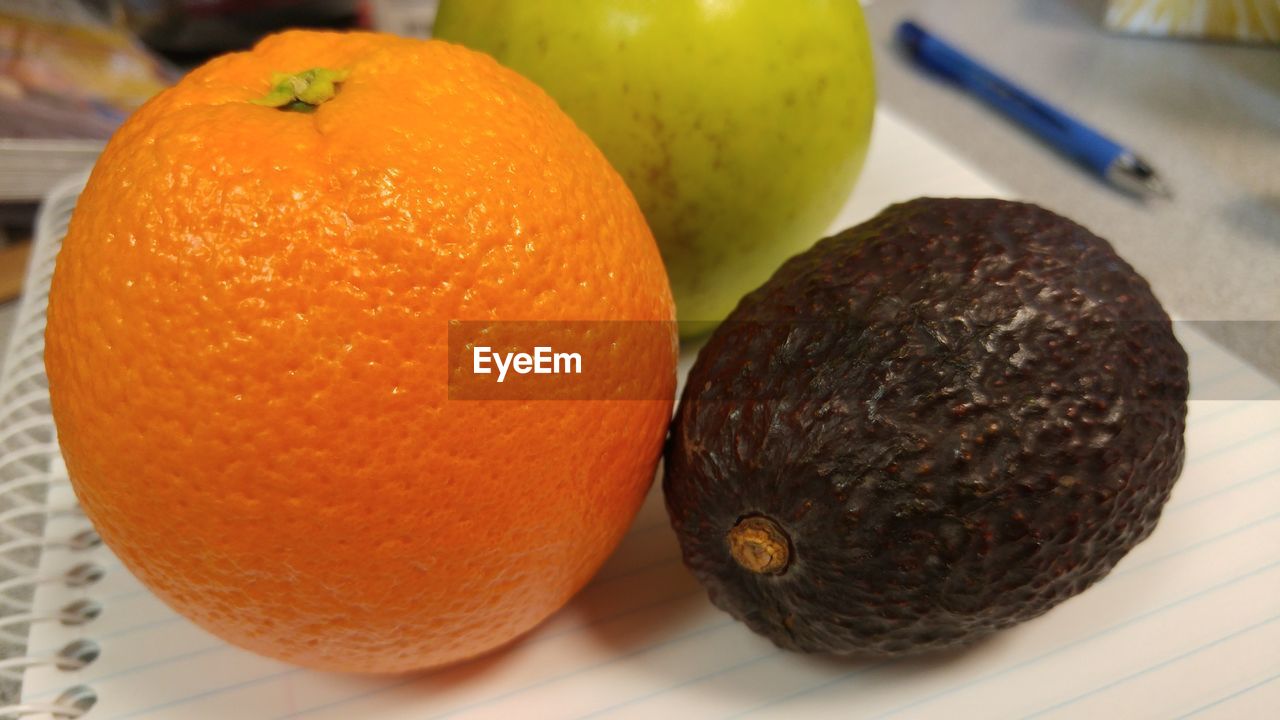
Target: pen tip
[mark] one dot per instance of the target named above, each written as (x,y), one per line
(1133,174)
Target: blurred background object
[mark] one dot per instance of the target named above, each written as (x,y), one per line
(189,31)
(1245,20)
(71,70)
(67,79)
(411,18)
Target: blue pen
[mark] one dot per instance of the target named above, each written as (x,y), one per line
(1104,157)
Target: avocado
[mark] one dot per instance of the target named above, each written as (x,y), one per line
(931,426)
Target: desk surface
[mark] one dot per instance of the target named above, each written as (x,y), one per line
(1207,115)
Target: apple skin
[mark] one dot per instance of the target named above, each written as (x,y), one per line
(739,125)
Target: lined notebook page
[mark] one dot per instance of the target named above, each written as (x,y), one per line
(1188,625)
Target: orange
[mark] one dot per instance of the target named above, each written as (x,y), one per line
(247,351)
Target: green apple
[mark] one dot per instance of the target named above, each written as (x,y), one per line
(739,125)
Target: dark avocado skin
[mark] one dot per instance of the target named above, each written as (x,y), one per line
(961,413)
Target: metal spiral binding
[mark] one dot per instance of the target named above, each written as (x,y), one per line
(28,471)
(74,702)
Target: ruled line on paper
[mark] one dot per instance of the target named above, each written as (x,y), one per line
(1226,698)
(1151,668)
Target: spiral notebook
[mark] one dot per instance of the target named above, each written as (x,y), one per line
(1188,625)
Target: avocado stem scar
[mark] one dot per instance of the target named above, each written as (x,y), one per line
(759,545)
